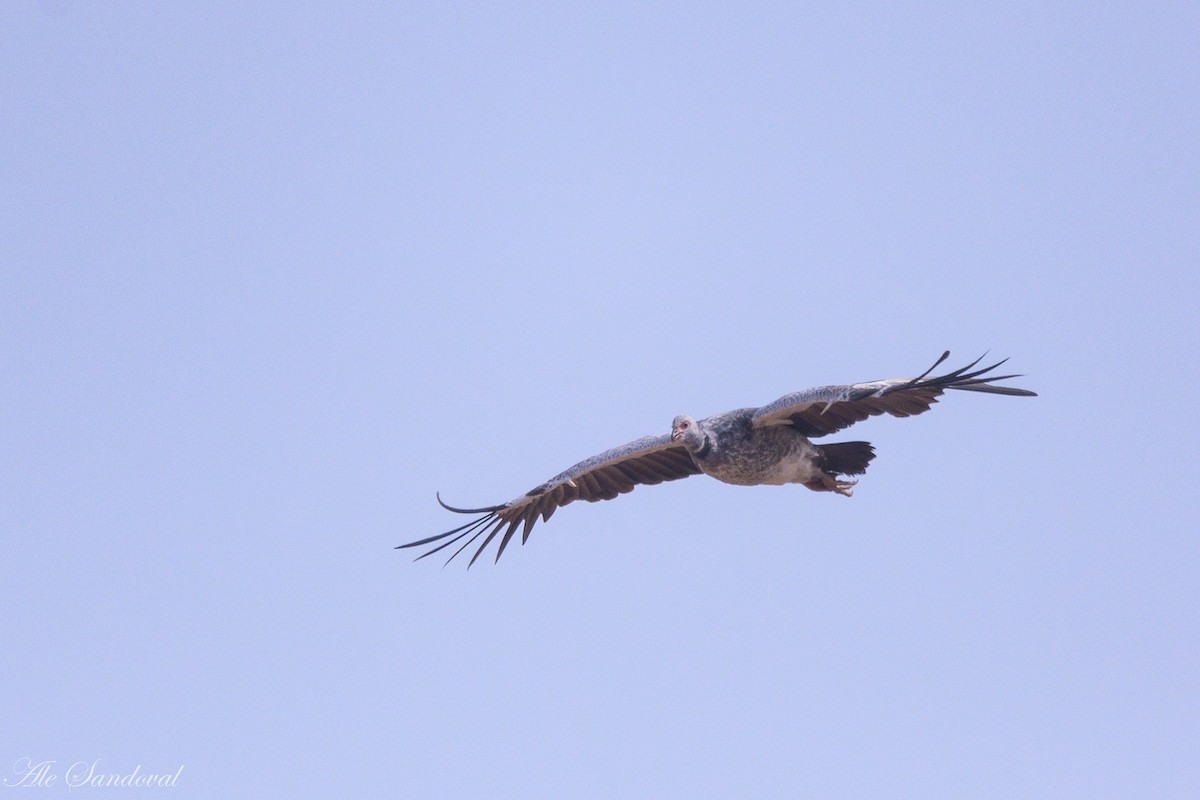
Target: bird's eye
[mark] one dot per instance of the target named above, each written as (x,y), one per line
(682,425)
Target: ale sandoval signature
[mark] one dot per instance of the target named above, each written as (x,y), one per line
(27,773)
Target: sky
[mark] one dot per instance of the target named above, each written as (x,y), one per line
(271,275)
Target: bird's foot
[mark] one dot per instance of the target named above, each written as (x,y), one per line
(830,483)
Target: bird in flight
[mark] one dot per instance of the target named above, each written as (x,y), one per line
(747,446)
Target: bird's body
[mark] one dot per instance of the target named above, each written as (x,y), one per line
(768,445)
(744,455)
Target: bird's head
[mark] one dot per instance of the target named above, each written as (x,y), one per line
(685,430)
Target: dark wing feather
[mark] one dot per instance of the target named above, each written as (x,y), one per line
(826,409)
(649,460)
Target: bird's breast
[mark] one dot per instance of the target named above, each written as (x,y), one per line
(774,456)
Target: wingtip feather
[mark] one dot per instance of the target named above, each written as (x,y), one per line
(456,510)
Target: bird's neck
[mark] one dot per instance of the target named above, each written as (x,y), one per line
(705,448)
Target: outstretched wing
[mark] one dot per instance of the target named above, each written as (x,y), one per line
(649,460)
(826,409)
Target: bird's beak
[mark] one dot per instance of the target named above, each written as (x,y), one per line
(676,434)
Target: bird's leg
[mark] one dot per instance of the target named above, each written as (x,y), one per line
(830,483)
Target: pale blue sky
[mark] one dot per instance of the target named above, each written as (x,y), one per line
(273,274)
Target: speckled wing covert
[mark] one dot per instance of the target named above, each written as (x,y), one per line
(649,460)
(826,409)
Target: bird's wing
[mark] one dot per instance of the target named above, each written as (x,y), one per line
(825,409)
(649,460)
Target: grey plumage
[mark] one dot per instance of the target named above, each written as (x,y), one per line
(747,446)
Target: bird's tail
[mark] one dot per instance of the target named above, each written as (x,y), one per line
(846,458)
